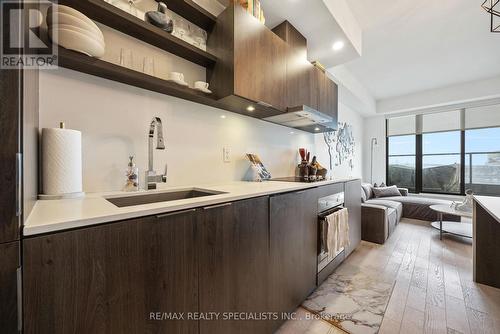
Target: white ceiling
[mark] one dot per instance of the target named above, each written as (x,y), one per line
(314,20)
(411,46)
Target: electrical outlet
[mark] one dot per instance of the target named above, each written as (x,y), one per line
(226,154)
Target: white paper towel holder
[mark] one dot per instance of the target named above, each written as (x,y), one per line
(73,195)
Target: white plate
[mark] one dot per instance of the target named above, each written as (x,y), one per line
(179,82)
(204,90)
(88,33)
(63,18)
(76,41)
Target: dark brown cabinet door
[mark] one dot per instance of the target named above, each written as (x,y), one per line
(112,278)
(293,236)
(10,119)
(300,78)
(329,98)
(353,204)
(9,262)
(234,252)
(259,61)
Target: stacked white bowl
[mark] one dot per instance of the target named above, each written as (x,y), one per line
(72,30)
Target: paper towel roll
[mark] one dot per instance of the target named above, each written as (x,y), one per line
(61,161)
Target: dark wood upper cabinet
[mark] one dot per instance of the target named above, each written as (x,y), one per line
(234,264)
(251,63)
(293,248)
(328,97)
(301,86)
(353,205)
(306,84)
(9,262)
(110,278)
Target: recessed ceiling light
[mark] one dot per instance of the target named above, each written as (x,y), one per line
(250,108)
(222,116)
(291,132)
(338,45)
(316,129)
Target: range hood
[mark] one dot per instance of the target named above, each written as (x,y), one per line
(305,118)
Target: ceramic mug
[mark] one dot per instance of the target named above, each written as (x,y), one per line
(201,85)
(176,76)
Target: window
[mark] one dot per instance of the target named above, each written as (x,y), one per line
(482,161)
(447,152)
(441,162)
(402,161)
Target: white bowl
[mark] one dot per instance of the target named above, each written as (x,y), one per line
(76,41)
(64,18)
(86,32)
(75,13)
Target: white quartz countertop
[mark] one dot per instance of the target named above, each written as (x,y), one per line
(490,204)
(56,215)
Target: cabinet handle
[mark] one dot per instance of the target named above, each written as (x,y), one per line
(19,184)
(217,206)
(19,275)
(170,214)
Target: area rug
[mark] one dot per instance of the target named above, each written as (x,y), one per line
(352,300)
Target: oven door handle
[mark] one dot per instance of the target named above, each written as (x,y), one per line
(324,214)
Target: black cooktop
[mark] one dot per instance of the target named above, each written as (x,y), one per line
(296,179)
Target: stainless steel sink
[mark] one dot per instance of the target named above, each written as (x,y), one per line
(156,197)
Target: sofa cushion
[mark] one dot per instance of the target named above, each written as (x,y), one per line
(397,206)
(392,220)
(417,207)
(368,188)
(363,195)
(386,191)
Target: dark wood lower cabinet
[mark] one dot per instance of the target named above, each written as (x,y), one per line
(293,247)
(9,262)
(353,204)
(113,278)
(234,264)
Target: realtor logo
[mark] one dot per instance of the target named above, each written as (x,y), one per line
(23,41)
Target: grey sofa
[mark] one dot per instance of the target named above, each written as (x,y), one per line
(380,216)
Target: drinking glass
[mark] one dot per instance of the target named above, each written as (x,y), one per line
(126,58)
(148,65)
(181,27)
(200,38)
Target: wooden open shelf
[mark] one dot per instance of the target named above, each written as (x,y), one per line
(192,12)
(83,63)
(120,20)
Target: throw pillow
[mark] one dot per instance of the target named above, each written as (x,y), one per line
(368,188)
(386,191)
(363,195)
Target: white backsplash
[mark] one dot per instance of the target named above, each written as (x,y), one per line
(114,119)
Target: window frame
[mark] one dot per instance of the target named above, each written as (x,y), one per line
(388,156)
(419,156)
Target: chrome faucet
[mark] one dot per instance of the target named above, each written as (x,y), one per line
(151,177)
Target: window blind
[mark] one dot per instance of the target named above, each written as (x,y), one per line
(482,117)
(402,125)
(443,121)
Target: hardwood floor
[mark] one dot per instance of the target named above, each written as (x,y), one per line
(434,290)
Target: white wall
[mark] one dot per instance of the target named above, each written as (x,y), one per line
(353,118)
(374,127)
(462,95)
